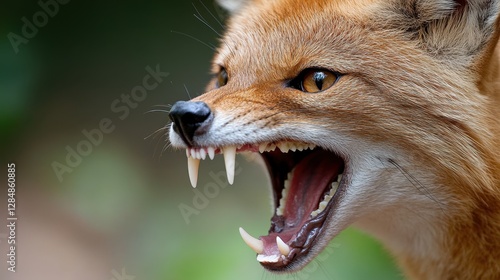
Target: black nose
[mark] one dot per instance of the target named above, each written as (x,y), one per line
(188,117)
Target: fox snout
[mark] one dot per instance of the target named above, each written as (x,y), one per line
(190,118)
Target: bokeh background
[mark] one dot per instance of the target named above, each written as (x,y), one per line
(116,213)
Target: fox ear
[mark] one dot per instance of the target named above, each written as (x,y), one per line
(232,5)
(450,27)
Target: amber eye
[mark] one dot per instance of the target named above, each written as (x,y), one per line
(222,78)
(316,80)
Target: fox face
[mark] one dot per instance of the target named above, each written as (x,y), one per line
(381,114)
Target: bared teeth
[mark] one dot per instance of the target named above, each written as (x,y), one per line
(194,156)
(255,244)
(229,160)
(282,246)
(193,166)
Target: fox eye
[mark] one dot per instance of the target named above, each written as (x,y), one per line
(316,80)
(222,78)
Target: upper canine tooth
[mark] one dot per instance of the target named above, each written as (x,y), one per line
(193,166)
(229,160)
(211,152)
(282,246)
(255,244)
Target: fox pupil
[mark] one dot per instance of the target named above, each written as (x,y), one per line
(319,78)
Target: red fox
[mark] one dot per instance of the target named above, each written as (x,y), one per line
(382,114)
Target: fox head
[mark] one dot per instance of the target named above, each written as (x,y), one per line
(378,113)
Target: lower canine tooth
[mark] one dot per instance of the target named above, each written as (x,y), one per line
(229,160)
(284,249)
(193,166)
(252,242)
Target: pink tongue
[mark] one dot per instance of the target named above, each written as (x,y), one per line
(310,180)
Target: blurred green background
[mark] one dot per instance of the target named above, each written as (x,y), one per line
(116,213)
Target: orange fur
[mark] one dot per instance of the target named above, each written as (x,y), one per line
(421,79)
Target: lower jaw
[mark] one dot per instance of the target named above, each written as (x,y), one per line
(305,240)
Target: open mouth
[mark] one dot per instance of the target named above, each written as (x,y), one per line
(306,182)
